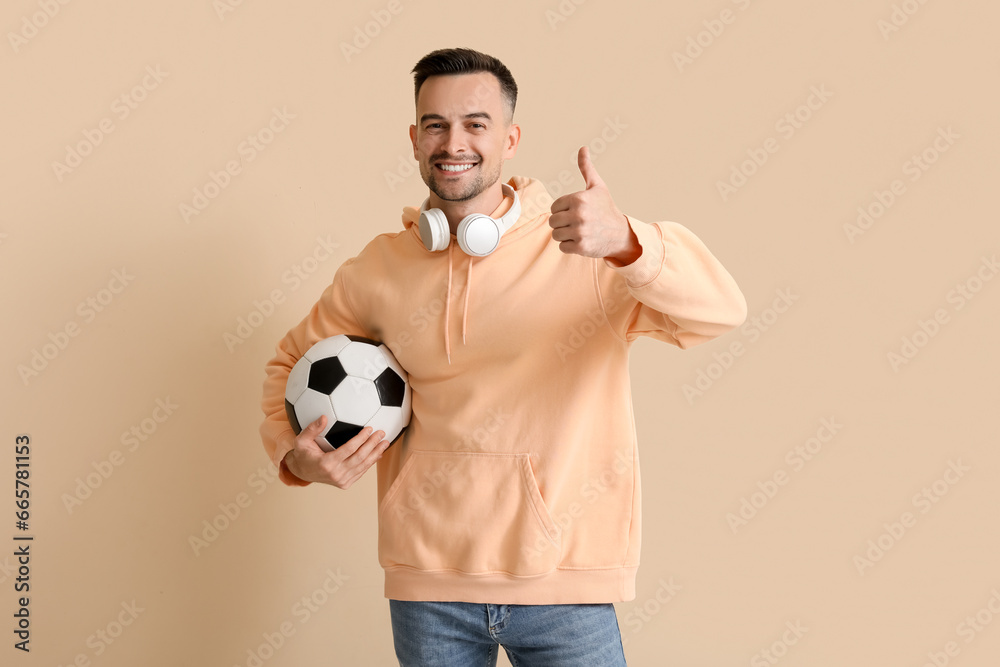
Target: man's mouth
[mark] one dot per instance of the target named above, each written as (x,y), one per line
(455,167)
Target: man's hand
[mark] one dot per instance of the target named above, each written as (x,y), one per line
(341,467)
(588,223)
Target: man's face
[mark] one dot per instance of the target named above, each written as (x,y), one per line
(460,122)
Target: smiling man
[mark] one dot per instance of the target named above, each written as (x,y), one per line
(509,510)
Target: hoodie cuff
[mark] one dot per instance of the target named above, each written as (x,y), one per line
(284,474)
(647,266)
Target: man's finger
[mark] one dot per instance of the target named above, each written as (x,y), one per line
(557,220)
(590,176)
(563,203)
(348,449)
(317,426)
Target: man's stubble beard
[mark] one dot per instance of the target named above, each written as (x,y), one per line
(479,185)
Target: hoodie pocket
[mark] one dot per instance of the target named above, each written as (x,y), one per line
(470,512)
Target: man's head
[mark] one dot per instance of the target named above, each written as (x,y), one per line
(466,61)
(464,115)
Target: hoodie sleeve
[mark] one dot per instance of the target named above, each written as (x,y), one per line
(676,291)
(331,315)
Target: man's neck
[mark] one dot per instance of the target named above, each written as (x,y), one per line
(486,202)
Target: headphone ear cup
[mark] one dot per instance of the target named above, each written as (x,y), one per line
(478,235)
(434,230)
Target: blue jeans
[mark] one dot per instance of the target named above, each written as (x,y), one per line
(463,634)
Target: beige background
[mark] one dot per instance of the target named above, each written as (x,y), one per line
(581,68)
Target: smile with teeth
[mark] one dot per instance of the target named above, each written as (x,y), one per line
(456,167)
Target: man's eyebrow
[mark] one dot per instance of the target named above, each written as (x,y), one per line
(474,114)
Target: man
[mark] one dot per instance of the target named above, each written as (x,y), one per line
(509,511)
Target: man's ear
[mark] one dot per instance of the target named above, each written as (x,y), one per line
(413,140)
(513,138)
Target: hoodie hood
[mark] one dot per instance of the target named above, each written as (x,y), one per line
(536,204)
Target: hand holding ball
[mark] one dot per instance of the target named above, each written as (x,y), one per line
(354,381)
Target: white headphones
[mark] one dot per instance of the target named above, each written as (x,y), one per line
(478,234)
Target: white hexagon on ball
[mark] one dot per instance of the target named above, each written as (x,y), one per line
(328,347)
(358,400)
(363,360)
(298,380)
(311,405)
(390,419)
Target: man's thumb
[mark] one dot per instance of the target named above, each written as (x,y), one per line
(318,425)
(590,176)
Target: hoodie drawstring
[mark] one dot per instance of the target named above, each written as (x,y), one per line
(447,306)
(468,291)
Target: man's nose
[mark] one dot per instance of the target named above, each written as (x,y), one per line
(455,143)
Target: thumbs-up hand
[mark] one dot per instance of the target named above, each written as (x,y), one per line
(588,223)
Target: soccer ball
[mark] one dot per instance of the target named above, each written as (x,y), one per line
(355,382)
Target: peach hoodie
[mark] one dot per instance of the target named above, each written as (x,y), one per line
(517,480)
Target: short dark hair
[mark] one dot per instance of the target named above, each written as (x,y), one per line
(466,61)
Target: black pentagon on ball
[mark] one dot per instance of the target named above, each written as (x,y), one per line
(341,432)
(292,419)
(391,388)
(326,374)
